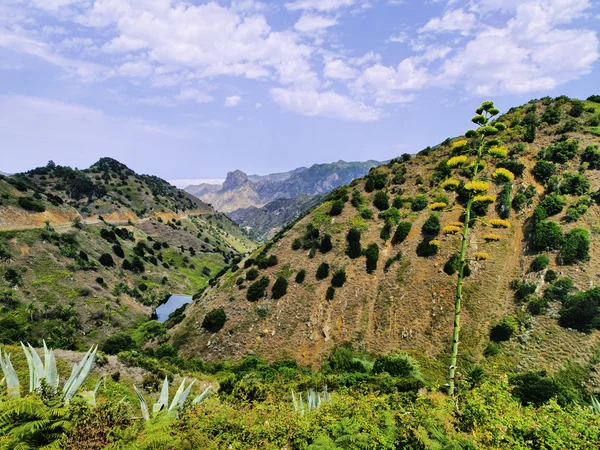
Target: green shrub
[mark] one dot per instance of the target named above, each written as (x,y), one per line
(561,152)
(300,276)
(31,204)
(322,271)
(252,274)
(330,293)
(381,200)
(399,365)
(551,116)
(425,249)
(326,244)
(533,388)
(543,170)
(577,108)
(550,276)
(106,260)
(576,247)
(353,248)
(431,227)
(581,311)
(546,235)
(559,290)
(118,342)
(492,349)
(214,320)
(504,330)
(297,244)
(574,184)
(391,261)
(279,288)
(530,133)
(419,203)
(118,250)
(366,213)
(357,199)
(336,208)
(372,254)
(505,201)
(401,232)
(339,278)
(537,306)
(256,290)
(553,204)
(591,155)
(539,263)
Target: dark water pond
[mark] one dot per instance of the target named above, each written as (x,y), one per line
(175,301)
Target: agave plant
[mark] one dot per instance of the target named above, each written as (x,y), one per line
(595,406)
(177,403)
(45,373)
(314,400)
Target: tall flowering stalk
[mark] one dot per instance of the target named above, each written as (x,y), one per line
(485,114)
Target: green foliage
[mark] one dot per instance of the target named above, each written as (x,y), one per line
(515,167)
(505,201)
(339,278)
(537,306)
(326,244)
(452,265)
(279,288)
(256,290)
(431,227)
(322,271)
(419,203)
(214,320)
(252,274)
(330,293)
(576,247)
(551,116)
(425,249)
(31,204)
(574,184)
(391,261)
(372,254)
(553,204)
(376,180)
(300,276)
(560,289)
(546,235)
(504,330)
(353,247)
(357,199)
(544,170)
(577,108)
(381,200)
(336,208)
(539,263)
(118,342)
(550,276)
(581,311)
(401,232)
(561,152)
(591,155)
(398,365)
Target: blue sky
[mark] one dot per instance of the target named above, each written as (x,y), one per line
(191,90)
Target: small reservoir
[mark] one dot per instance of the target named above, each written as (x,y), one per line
(173,302)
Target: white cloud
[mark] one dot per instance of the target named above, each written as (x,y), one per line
(319,5)
(258,105)
(529,54)
(398,38)
(193,94)
(338,69)
(453,20)
(327,104)
(392,85)
(233,101)
(310,23)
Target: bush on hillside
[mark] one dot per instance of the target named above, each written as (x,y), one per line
(539,263)
(546,235)
(372,254)
(336,208)
(214,320)
(419,203)
(322,271)
(426,248)
(551,116)
(256,290)
(553,204)
(574,184)
(118,342)
(330,293)
(504,330)
(431,227)
(381,201)
(353,248)
(252,274)
(326,244)
(401,232)
(544,170)
(339,278)
(399,365)
(118,250)
(300,276)
(581,311)
(106,260)
(576,247)
(279,288)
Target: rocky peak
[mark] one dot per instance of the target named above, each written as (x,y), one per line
(234,179)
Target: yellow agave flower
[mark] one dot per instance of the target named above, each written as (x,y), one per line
(437,206)
(459,143)
(435,243)
(498,151)
(477,186)
(457,161)
(450,184)
(491,237)
(503,174)
(451,229)
(456,224)
(500,223)
(484,199)
(481,256)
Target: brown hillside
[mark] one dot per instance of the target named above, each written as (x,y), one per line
(410,306)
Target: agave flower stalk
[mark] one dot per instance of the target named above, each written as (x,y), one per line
(474,187)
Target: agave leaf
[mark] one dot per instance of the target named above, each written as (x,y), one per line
(79,375)
(10,376)
(185,394)
(163,401)
(201,397)
(39,366)
(178,395)
(32,376)
(595,405)
(294,401)
(143,404)
(50,372)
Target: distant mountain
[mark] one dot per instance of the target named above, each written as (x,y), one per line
(269,219)
(242,191)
